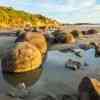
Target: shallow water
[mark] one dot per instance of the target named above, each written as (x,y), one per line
(55,79)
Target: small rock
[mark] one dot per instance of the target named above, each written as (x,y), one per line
(74,65)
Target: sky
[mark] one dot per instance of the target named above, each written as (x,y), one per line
(67,11)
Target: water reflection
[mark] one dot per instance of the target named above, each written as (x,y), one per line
(55,78)
(28,78)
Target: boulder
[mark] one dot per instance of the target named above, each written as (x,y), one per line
(74,65)
(89,89)
(69,38)
(21,58)
(84,46)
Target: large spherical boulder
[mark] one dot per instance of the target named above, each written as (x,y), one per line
(59,36)
(22,58)
(69,38)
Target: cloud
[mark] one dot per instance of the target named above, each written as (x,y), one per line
(63,10)
(57,5)
(81,11)
(68,5)
(71,10)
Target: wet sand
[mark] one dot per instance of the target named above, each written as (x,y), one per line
(56,80)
